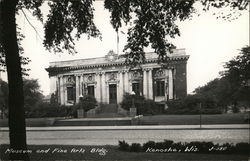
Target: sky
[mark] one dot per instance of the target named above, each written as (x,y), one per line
(210,42)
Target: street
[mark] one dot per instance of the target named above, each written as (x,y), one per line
(111,137)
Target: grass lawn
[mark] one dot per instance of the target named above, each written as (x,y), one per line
(194,119)
(111,153)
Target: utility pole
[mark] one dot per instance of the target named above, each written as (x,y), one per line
(200,114)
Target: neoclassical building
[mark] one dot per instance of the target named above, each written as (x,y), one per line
(108,78)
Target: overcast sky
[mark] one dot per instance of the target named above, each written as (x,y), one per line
(210,42)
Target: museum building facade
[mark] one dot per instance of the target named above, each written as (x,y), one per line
(108,78)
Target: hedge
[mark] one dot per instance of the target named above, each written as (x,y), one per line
(168,146)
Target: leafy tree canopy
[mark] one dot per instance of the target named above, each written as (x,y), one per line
(234,85)
(32,93)
(154,22)
(24,60)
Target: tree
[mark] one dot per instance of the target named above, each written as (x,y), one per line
(3,96)
(32,94)
(76,15)
(234,85)
(217,90)
(238,74)
(24,60)
(155,23)
(154,20)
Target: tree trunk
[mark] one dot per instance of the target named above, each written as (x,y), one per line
(17,131)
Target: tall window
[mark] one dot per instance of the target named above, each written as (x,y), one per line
(91,91)
(160,88)
(70,93)
(136,88)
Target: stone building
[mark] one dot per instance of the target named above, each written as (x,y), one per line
(108,79)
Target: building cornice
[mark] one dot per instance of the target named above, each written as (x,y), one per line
(59,69)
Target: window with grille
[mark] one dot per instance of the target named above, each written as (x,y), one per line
(91,91)
(70,93)
(160,88)
(136,88)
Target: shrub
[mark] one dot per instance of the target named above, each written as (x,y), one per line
(135,147)
(242,148)
(168,143)
(202,146)
(149,144)
(44,109)
(235,109)
(123,146)
(192,147)
(179,145)
(230,148)
(191,105)
(143,106)
(87,103)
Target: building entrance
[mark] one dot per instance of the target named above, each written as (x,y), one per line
(112,94)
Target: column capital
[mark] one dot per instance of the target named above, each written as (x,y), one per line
(98,73)
(77,75)
(150,69)
(126,71)
(147,69)
(121,71)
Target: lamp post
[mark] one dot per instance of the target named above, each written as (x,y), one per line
(133,99)
(132,110)
(80,112)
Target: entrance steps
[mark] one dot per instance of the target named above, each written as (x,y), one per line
(108,111)
(107,115)
(108,108)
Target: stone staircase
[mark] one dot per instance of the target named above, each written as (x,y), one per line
(109,108)
(106,115)
(108,111)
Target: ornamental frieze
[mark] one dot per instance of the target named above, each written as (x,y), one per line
(112,76)
(136,75)
(70,81)
(159,73)
(90,78)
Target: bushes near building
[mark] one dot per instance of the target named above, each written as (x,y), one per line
(194,104)
(143,106)
(87,103)
(45,109)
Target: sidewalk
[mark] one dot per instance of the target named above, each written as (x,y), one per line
(150,127)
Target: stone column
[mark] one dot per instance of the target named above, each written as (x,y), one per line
(61,90)
(107,93)
(65,90)
(126,82)
(81,85)
(170,83)
(120,94)
(150,84)
(145,84)
(98,88)
(103,87)
(77,88)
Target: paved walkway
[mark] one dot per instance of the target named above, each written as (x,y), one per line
(141,127)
